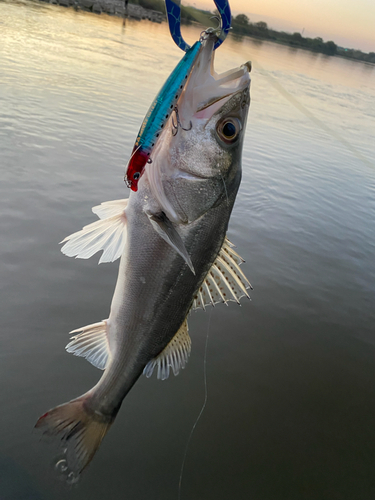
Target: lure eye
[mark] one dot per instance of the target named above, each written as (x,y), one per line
(229,129)
(136,176)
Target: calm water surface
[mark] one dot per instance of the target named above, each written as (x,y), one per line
(291,374)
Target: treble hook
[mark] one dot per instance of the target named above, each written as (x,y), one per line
(174,20)
(175,126)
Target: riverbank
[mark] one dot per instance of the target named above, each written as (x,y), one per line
(241,25)
(113,8)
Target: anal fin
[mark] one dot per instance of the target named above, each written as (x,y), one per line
(174,356)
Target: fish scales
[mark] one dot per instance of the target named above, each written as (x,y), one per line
(154,317)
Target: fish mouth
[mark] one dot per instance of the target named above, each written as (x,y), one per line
(207,91)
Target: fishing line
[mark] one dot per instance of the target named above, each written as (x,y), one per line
(226,192)
(289,97)
(201,411)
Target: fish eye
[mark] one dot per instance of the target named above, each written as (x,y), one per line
(229,129)
(136,176)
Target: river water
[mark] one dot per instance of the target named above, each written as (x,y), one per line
(291,374)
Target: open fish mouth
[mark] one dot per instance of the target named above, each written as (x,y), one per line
(207,91)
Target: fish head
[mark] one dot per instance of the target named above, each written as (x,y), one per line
(197,160)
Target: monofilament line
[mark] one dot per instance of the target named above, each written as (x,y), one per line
(202,409)
(226,192)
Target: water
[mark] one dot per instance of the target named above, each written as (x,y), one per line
(291,374)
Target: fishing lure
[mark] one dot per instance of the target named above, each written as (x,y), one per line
(165,102)
(160,110)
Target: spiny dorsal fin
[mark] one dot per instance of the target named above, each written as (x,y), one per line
(108,234)
(224,281)
(91,343)
(174,356)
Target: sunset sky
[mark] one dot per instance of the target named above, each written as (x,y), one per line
(348,23)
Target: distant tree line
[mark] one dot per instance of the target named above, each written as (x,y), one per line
(357,54)
(241,24)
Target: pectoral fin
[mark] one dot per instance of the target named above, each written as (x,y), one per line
(174,356)
(164,227)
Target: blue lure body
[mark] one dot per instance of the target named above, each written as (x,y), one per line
(165,102)
(160,110)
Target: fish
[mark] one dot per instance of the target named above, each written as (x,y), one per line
(175,255)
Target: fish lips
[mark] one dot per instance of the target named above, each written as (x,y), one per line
(239,83)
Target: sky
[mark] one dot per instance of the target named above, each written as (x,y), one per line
(349,23)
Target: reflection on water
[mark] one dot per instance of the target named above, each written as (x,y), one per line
(290,374)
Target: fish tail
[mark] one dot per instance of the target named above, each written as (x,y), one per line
(80,430)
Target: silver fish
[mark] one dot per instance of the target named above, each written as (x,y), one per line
(171,236)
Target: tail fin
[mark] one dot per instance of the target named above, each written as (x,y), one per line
(80,430)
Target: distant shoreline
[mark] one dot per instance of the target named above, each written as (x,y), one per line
(241,25)
(306,49)
(113,8)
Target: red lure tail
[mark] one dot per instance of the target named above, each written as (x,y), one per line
(136,167)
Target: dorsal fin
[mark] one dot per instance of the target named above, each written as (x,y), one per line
(174,356)
(91,343)
(107,234)
(224,281)
(110,208)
